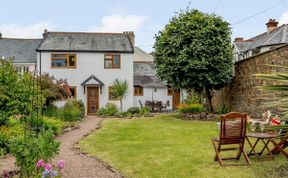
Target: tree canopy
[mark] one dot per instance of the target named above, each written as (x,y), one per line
(194,51)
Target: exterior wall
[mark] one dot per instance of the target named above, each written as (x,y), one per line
(245,96)
(150,94)
(31,66)
(159,95)
(88,64)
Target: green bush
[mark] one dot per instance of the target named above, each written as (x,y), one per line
(145,110)
(29,150)
(134,110)
(73,110)
(223,110)
(109,110)
(55,125)
(191,108)
(51,111)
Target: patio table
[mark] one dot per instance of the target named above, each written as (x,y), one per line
(265,139)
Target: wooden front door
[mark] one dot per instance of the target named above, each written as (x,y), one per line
(175,99)
(92,99)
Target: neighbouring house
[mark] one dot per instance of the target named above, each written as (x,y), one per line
(252,56)
(274,37)
(22,51)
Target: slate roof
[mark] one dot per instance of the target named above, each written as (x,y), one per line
(22,50)
(140,55)
(276,37)
(86,42)
(145,75)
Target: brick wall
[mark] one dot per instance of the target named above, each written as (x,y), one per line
(245,96)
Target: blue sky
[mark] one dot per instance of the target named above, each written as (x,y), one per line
(28,18)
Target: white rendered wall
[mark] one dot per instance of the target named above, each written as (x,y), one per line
(93,64)
(31,66)
(159,95)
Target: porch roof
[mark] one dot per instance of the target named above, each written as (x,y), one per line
(92,80)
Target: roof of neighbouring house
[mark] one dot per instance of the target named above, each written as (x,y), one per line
(277,36)
(145,75)
(140,55)
(86,42)
(21,50)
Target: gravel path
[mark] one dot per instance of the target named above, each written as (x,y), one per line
(77,165)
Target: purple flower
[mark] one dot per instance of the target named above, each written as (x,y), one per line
(61,164)
(40,163)
(48,167)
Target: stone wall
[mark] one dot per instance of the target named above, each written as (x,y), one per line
(245,95)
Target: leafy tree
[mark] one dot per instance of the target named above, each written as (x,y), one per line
(119,90)
(53,89)
(17,92)
(194,51)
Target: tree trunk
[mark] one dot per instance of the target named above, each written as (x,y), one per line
(209,100)
(121,106)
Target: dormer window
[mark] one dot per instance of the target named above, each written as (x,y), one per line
(112,61)
(63,60)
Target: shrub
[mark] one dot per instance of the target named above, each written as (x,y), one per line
(190,108)
(223,110)
(73,110)
(109,110)
(134,110)
(145,110)
(51,111)
(55,125)
(28,150)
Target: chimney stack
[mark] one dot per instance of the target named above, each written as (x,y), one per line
(271,25)
(45,33)
(239,39)
(131,36)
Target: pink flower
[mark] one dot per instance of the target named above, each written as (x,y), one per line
(61,164)
(48,167)
(40,163)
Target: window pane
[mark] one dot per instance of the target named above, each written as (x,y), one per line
(73,92)
(108,63)
(72,60)
(59,63)
(108,57)
(116,61)
(58,55)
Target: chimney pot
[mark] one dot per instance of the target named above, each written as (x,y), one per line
(45,33)
(131,35)
(239,39)
(271,25)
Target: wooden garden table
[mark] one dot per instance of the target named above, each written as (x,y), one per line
(265,139)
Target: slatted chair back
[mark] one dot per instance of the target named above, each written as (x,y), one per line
(233,128)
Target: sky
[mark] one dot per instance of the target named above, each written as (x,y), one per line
(29,18)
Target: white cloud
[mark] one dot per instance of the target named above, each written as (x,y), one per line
(119,23)
(25,31)
(284,18)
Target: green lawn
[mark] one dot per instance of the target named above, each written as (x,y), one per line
(165,146)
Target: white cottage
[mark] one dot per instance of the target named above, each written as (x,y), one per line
(90,62)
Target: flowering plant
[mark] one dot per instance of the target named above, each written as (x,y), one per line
(47,168)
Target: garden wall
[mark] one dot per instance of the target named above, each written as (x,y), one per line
(243,95)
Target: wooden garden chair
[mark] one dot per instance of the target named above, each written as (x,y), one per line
(232,137)
(281,142)
(280,145)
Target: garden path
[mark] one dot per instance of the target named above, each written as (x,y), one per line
(77,164)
